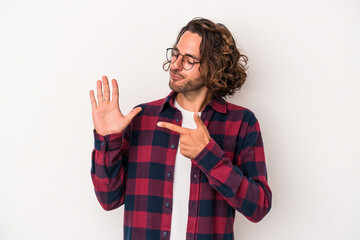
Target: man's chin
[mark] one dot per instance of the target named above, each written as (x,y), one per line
(184,87)
(174,88)
(173,85)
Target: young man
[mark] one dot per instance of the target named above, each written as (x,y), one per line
(182,165)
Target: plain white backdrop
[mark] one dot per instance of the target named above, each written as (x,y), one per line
(302,85)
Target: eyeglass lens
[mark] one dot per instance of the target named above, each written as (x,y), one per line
(187,62)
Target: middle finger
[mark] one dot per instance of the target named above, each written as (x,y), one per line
(106,88)
(99,93)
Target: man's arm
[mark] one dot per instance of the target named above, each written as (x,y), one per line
(242,184)
(107,170)
(111,144)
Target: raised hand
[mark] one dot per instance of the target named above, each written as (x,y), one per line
(107,116)
(192,141)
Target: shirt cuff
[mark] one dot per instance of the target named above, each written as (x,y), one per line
(107,142)
(209,157)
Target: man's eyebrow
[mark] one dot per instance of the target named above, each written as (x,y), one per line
(186,54)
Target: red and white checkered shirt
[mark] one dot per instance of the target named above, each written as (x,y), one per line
(136,168)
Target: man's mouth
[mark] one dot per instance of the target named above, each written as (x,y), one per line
(175,77)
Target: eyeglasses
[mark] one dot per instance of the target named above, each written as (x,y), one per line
(187,61)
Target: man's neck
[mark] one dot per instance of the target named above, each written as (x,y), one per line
(194,101)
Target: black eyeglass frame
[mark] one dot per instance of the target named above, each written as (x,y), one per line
(182,60)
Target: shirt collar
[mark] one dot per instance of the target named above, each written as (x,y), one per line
(217,103)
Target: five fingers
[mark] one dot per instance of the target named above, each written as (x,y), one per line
(106,97)
(115,97)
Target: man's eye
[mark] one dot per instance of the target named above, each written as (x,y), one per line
(188,59)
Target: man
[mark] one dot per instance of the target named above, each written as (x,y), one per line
(182,165)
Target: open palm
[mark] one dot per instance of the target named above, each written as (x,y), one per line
(107,116)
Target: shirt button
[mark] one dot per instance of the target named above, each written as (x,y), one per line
(177,120)
(194,175)
(102,143)
(165,234)
(172,146)
(168,174)
(167,205)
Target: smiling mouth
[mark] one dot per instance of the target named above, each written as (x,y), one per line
(176,77)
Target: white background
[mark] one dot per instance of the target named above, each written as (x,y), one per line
(303,87)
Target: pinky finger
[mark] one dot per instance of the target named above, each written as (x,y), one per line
(92,99)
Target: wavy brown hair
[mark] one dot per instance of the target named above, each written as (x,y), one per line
(221,64)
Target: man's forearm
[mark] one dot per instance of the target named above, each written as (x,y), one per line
(107,171)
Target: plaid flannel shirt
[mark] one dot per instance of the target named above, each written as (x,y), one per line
(136,168)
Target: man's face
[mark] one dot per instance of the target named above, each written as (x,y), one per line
(181,80)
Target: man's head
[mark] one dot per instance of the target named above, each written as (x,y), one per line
(211,52)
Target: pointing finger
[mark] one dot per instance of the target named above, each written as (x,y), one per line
(172,127)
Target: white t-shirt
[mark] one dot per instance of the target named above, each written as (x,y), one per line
(181,188)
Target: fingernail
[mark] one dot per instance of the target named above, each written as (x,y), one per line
(158,124)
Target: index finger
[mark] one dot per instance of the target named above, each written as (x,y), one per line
(172,127)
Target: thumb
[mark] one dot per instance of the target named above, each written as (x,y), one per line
(198,121)
(133,113)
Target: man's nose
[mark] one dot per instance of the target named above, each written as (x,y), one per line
(177,64)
